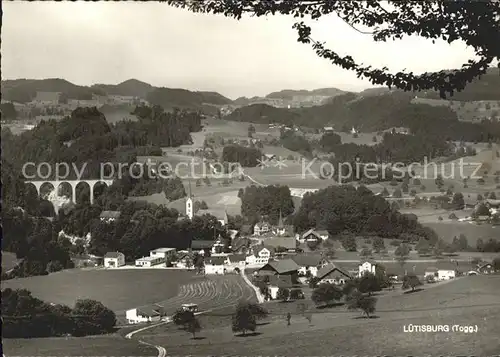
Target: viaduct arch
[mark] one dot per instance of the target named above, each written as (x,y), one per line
(73,184)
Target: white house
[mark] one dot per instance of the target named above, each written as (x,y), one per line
(148,262)
(367,267)
(261,228)
(309,263)
(260,255)
(446,271)
(163,253)
(114,259)
(144,314)
(215,265)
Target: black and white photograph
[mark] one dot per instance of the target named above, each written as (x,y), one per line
(250,178)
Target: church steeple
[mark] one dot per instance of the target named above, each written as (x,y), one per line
(280,221)
(189,203)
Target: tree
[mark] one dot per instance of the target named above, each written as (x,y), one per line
(467,22)
(358,301)
(365,252)
(243,319)
(423,247)
(410,281)
(496,264)
(92,317)
(193,326)
(458,200)
(182,317)
(378,244)
(397,193)
(283,294)
(369,283)
(349,243)
(326,293)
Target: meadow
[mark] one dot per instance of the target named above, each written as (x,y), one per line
(117,289)
(336,331)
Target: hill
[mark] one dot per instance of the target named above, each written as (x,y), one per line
(290,93)
(183,98)
(24,90)
(369,113)
(131,87)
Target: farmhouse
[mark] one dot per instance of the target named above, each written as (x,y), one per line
(145,314)
(486,269)
(314,235)
(333,274)
(431,271)
(446,270)
(215,265)
(328,130)
(114,260)
(309,263)
(109,216)
(202,246)
(280,267)
(148,262)
(277,282)
(287,244)
(163,253)
(260,255)
(236,260)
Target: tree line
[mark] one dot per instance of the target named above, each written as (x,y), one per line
(24,316)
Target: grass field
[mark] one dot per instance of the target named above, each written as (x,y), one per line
(107,345)
(117,289)
(448,230)
(467,301)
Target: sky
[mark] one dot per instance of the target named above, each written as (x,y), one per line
(110,42)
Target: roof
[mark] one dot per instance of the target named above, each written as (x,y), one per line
(431,269)
(113,255)
(285,242)
(329,269)
(258,248)
(162,250)
(147,259)
(150,310)
(327,128)
(309,232)
(202,244)
(323,232)
(281,281)
(447,265)
(493,202)
(307,260)
(109,214)
(281,266)
(239,242)
(237,258)
(215,260)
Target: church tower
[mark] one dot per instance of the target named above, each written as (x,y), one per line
(189,204)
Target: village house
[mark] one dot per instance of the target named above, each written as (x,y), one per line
(148,262)
(282,244)
(277,282)
(446,270)
(240,245)
(114,259)
(109,216)
(309,263)
(261,228)
(215,266)
(328,130)
(236,260)
(431,272)
(314,235)
(281,267)
(333,274)
(202,246)
(368,266)
(260,255)
(145,314)
(486,268)
(184,260)
(163,253)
